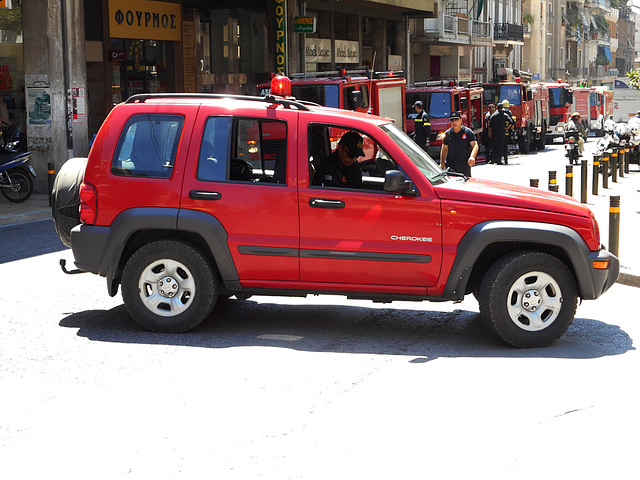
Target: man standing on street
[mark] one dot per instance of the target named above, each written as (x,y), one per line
(498,125)
(422,130)
(459,147)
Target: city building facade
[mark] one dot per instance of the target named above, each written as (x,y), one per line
(65,63)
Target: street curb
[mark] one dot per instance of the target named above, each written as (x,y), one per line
(629,279)
(25,217)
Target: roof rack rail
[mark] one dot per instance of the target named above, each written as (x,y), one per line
(285,102)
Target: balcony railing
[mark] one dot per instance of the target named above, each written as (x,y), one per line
(457,29)
(508,32)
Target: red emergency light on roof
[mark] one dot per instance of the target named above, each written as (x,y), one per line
(452,83)
(518,80)
(281,86)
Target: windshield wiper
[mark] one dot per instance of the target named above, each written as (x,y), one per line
(450,173)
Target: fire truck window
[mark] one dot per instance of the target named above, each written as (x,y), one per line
(347,98)
(511,93)
(365,95)
(491,95)
(325,95)
(440,105)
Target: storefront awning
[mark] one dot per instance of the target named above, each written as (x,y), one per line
(607,52)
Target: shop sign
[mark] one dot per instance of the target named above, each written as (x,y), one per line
(347,52)
(304,24)
(145,20)
(317,50)
(281,35)
(117,55)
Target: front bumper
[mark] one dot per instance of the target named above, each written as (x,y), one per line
(601,279)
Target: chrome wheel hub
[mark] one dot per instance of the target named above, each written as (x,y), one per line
(534,301)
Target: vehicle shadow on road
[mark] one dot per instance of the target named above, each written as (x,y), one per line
(420,335)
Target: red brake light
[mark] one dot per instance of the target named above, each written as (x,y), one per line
(88,204)
(281,86)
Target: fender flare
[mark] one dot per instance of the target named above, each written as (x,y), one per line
(482,235)
(111,241)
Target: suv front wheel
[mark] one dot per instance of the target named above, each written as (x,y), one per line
(528,298)
(169,286)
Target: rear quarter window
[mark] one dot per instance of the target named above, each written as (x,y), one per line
(147,146)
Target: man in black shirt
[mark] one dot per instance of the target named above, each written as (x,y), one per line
(459,147)
(340,168)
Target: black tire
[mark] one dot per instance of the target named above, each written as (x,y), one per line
(22,186)
(169,286)
(528,299)
(65,197)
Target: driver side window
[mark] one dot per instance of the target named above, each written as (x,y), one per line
(331,167)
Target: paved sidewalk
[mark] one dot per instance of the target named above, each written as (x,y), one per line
(35,208)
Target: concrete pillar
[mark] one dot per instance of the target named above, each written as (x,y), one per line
(54,64)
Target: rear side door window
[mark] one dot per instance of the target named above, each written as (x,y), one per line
(147,146)
(243,149)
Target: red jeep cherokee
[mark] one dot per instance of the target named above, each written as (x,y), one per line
(187,198)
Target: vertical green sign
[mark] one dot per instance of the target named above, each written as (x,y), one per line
(281,36)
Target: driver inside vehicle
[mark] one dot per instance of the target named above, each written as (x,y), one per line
(340,168)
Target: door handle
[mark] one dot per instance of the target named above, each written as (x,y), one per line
(324,203)
(204,195)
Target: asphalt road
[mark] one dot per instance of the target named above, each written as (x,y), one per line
(315,388)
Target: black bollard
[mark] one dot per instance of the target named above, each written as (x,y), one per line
(533,182)
(614,224)
(605,170)
(553,182)
(51,171)
(583,181)
(621,160)
(569,181)
(596,167)
(614,165)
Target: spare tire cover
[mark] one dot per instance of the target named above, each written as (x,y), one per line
(65,197)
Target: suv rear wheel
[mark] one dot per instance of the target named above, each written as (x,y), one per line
(529,298)
(169,286)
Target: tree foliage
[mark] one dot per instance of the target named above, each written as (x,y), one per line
(634,78)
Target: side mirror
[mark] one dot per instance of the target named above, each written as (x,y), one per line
(356,99)
(395,182)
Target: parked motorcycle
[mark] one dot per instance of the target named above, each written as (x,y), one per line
(16,176)
(571,146)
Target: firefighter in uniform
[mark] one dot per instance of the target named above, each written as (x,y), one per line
(422,126)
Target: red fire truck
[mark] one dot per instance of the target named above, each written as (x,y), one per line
(560,101)
(439,99)
(601,108)
(528,104)
(582,104)
(381,94)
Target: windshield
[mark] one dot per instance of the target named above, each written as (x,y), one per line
(511,93)
(421,159)
(325,95)
(557,97)
(440,105)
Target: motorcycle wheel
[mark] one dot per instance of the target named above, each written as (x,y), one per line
(21,186)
